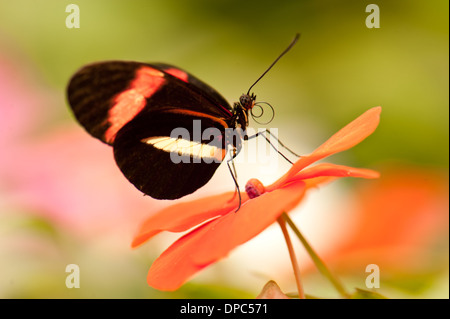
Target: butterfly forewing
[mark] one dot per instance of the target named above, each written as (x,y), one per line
(107,95)
(204,89)
(92,90)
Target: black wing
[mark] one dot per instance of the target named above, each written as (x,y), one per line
(164,156)
(107,95)
(135,107)
(198,85)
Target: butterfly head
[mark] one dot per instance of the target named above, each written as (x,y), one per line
(241,108)
(247,101)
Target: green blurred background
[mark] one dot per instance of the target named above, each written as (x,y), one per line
(338,69)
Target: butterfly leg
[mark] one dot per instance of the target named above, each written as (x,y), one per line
(279,142)
(282,145)
(263,133)
(234,176)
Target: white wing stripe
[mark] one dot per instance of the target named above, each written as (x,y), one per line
(185,147)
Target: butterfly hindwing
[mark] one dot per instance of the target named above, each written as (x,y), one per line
(165,163)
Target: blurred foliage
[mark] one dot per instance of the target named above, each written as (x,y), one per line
(366,294)
(339,69)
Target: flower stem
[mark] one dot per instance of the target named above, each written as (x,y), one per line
(316,259)
(282,223)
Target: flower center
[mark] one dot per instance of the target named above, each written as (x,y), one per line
(254,188)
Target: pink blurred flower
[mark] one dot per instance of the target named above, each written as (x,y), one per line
(20,101)
(59,172)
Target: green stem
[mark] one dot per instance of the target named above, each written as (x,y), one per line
(294,262)
(316,259)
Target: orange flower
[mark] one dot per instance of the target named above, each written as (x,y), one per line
(261,206)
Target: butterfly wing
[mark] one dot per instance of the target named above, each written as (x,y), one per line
(163,155)
(107,95)
(135,107)
(217,100)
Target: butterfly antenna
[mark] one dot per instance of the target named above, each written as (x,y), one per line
(297,36)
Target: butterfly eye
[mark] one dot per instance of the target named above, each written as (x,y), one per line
(246,101)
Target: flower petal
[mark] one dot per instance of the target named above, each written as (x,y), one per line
(349,136)
(256,215)
(174,266)
(216,238)
(327,169)
(185,215)
(400,221)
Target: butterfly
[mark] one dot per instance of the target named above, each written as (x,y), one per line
(169,130)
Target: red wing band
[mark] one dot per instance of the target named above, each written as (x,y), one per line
(131,101)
